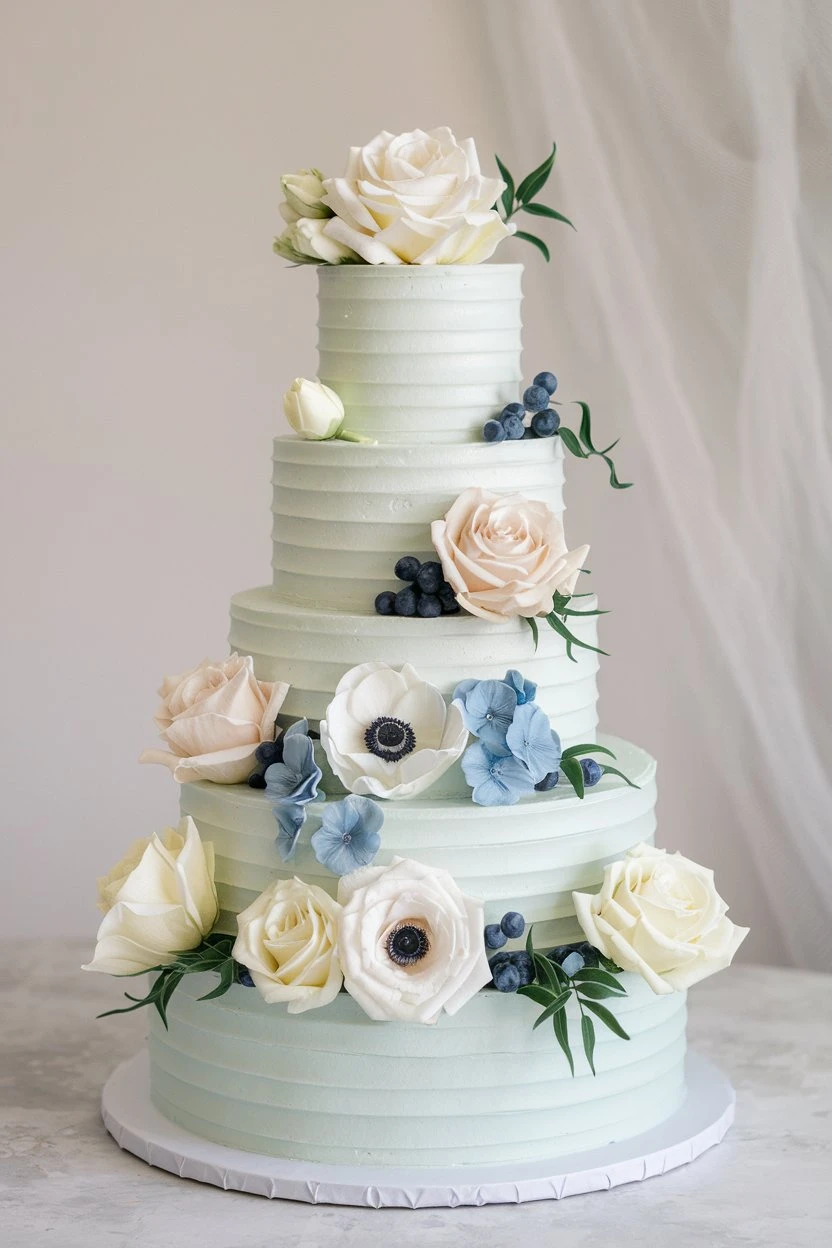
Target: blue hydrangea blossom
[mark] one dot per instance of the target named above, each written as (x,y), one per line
(291,785)
(530,739)
(488,708)
(348,837)
(526,690)
(496,780)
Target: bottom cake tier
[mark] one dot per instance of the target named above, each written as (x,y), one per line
(482,1086)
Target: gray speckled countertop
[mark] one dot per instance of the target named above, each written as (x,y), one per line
(64,1182)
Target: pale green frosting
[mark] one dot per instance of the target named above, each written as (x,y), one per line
(330,1085)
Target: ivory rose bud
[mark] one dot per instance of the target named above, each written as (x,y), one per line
(158,901)
(288,940)
(411,942)
(305,242)
(212,719)
(416,198)
(313,410)
(304,193)
(660,916)
(505,555)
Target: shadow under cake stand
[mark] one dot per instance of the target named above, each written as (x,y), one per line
(137,1126)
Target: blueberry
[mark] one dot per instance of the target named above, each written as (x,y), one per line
(257,780)
(407,568)
(560,952)
(450,606)
(495,937)
(572,963)
(499,959)
(545,424)
(524,965)
(548,381)
(588,953)
(269,752)
(514,427)
(548,782)
(592,771)
(244,976)
(506,978)
(428,606)
(513,924)
(536,399)
(528,434)
(429,578)
(386,602)
(493,431)
(512,409)
(405,602)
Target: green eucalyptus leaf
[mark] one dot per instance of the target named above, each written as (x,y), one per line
(561,1026)
(614,482)
(507,197)
(607,1018)
(588,1037)
(227,977)
(594,975)
(543,210)
(536,180)
(537,993)
(600,992)
(549,973)
(608,964)
(532,623)
(555,622)
(613,771)
(571,443)
(529,944)
(571,768)
(536,242)
(585,430)
(574,750)
(559,1003)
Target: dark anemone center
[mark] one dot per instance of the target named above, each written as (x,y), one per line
(389,738)
(408,943)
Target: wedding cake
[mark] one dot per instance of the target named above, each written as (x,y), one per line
(404,842)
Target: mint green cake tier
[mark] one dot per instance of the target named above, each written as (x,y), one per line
(481,1087)
(529,857)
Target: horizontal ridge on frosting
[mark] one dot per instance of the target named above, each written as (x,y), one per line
(343,514)
(312,648)
(333,1086)
(420,353)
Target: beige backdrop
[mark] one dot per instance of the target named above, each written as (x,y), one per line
(149,333)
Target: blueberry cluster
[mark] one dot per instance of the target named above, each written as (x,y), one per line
(509,971)
(573,958)
(511,424)
(426,593)
(592,773)
(267,753)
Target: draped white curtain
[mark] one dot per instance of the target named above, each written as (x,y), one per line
(692,309)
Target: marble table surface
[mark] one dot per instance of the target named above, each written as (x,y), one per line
(64,1182)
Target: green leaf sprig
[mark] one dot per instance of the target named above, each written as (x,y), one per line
(556,619)
(522,199)
(570,765)
(582,446)
(552,989)
(214,954)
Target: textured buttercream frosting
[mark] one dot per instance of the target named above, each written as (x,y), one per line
(478,1087)
(420,354)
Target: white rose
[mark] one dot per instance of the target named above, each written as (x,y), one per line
(305,242)
(389,734)
(411,943)
(505,555)
(158,901)
(288,940)
(416,198)
(660,916)
(213,717)
(304,193)
(313,410)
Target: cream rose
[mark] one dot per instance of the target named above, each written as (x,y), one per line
(213,717)
(305,242)
(158,901)
(313,410)
(416,198)
(288,940)
(411,943)
(304,194)
(659,915)
(505,555)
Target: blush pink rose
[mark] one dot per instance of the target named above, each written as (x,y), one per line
(212,719)
(505,555)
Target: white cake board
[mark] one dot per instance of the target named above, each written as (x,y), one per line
(138,1127)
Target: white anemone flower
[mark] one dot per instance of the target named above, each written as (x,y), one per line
(389,734)
(410,942)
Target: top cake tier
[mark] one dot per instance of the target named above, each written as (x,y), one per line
(420,354)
